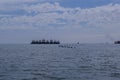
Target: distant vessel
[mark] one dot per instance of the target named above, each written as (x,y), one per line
(117,42)
(43,41)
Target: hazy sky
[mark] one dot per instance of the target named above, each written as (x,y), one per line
(67,20)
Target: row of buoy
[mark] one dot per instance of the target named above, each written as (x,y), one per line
(67,46)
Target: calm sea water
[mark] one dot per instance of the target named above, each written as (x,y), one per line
(50,62)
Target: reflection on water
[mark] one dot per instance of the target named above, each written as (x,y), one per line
(50,62)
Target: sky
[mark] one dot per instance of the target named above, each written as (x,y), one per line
(84,21)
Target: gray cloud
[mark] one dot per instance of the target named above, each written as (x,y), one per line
(75,23)
(47,14)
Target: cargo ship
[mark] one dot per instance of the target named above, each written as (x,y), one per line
(43,41)
(117,42)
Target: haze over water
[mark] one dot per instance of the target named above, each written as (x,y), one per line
(50,62)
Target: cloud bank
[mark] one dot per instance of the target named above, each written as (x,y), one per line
(47,14)
(52,16)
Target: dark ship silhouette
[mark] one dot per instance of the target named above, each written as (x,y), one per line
(43,41)
(117,42)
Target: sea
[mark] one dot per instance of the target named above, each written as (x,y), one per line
(52,62)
